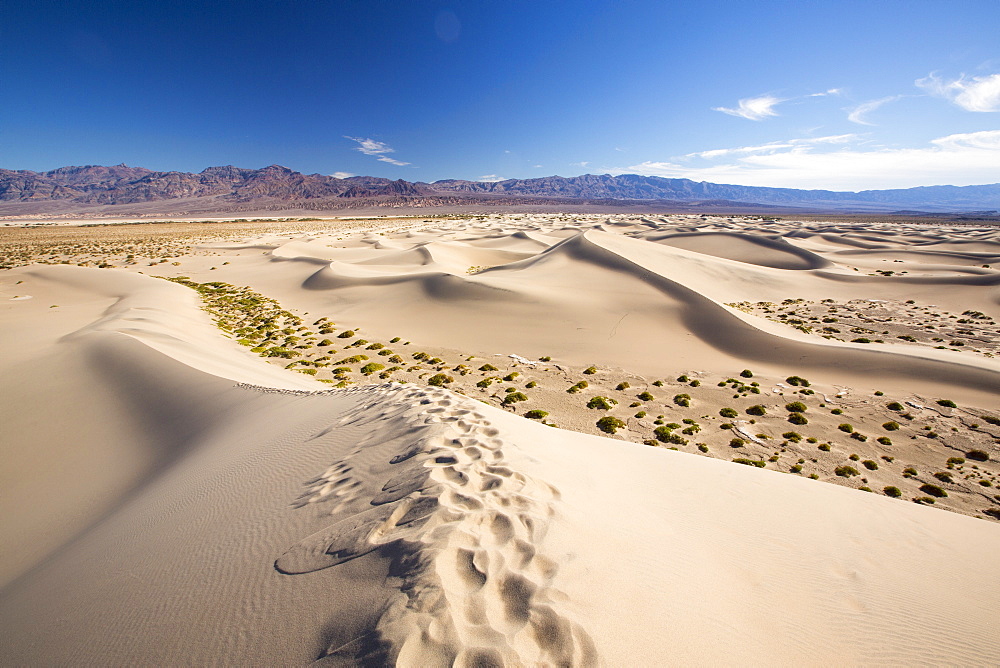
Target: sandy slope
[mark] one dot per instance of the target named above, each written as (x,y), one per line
(197,505)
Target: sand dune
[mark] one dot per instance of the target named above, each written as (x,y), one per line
(173,498)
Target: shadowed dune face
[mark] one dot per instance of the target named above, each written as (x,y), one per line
(763,251)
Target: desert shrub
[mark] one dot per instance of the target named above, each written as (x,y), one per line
(853,457)
(375,346)
(796,468)
(978,455)
(602,403)
(837,411)
(514,397)
(420,356)
(894,406)
(346,334)
(956,460)
(891,426)
(737,443)
(536,414)
(488,367)
(909,472)
(861,339)
(641,414)
(756,410)
(579,386)
(658,383)
(825,447)
(645,396)
(943,476)
(623,385)
(870,465)
(511,376)
(683,379)
(796,407)
(846,428)
(933,490)
(486,382)
(759,463)
(991,419)
(325,342)
(545,359)
(947,403)
(371,368)
(396,359)
(797,381)
(682,400)
(590,370)
(531,384)
(894,492)
(792,436)
(702,447)
(610,424)
(846,471)
(746,373)
(728,413)
(395,339)
(665,435)
(385,352)
(439,379)
(884,440)
(798,418)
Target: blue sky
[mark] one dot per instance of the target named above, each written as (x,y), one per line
(796,93)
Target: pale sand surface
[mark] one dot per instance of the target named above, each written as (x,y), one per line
(169,497)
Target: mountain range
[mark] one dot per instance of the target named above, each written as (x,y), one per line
(231,188)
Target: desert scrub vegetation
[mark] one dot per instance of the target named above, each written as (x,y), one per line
(536,414)
(573,389)
(602,403)
(683,400)
(756,409)
(610,424)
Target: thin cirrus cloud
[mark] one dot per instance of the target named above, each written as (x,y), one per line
(377,149)
(957,159)
(859,113)
(490,178)
(969,93)
(753,108)
(342,175)
(772,146)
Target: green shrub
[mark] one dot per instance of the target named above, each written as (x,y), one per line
(683,379)
(884,440)
(602,403)
(894,406)
(610,424)
(792,436)
(795,407)
(682,400)
(325,342)
(439,380)
(756,410)
(645,396)
(909,472)
(737,443)
(536,414)
(346,334)
(665,435)
(947,403)
(894,492)
(486,382)
(846,471)
(798,418)
(797,381)
(991,419)
(728,413)
(395,339)
(956,460)
(590,370)
(846,428)
(511,376)
(943,476)
(870,465)
(837,411)
(514,397)
(488,367)
(531,384)
(825,447)
(796,468)
(759,463)
(891,426)
(623,385)
(545,359)
(703,447)
(978,455)
(579,386)
(933,490)
(746,373)
(375,346)
(641,414)
(371,368)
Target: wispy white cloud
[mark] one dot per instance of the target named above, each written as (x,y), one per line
(342,175)
(832,91)
(582,163)
(773,146)
(971,94)
(491,178)
(376,148)
(753,108)
(957,159)
(857,114)
(537,166)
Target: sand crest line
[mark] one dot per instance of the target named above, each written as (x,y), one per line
(479,589)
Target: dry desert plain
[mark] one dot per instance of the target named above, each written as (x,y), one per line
(500,440)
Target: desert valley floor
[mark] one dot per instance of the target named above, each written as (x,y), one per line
(500,440)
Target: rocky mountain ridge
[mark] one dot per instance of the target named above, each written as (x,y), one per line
(229,185)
